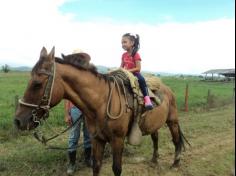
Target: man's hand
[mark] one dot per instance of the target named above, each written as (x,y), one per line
(68,120)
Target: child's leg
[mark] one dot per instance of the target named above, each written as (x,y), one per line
(142,84)
(143,87)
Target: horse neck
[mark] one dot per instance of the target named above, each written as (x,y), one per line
(83,88)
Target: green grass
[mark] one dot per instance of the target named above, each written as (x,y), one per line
(13,84)
(198,91)
(210,133)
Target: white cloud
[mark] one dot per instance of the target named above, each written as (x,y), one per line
(27,26)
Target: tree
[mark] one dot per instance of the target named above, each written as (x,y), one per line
(5,68)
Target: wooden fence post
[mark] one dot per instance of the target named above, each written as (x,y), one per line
(208,96)
(209,99)
(186,99)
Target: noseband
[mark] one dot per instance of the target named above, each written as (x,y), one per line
(44,103)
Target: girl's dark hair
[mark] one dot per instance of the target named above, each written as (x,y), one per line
(135,39)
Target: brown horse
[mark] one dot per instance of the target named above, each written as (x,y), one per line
(53,79)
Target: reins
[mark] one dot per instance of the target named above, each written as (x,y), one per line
(41,138)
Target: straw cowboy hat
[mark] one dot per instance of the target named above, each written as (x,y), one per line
(81,53)
(77,50)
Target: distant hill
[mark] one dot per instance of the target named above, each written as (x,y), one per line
(158,73)
(104,69)
(101,69)
(21,68)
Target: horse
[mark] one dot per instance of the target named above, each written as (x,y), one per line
(54,78)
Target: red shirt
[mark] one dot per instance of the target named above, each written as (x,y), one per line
(69,105)
(129,62)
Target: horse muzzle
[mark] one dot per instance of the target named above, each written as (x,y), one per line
(22,124)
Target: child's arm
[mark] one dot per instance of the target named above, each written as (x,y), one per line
(122,63)
(137,68)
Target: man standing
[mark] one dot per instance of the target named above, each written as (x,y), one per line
(74,115)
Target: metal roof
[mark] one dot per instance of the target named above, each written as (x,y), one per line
(220,71)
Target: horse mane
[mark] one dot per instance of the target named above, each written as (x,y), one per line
(76,61)
(81,64)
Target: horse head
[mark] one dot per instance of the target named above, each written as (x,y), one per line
(40,94)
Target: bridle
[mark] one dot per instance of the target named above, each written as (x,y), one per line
(44,103)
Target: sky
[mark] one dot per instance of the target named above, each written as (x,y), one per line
(176,36)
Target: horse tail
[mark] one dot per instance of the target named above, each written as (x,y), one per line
(182,139)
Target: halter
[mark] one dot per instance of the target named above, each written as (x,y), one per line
(45,105)
(47,95)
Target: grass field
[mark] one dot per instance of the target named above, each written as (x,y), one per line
(210,132)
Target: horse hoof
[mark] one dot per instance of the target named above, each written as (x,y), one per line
(154,161)
(154,164)
(176,164)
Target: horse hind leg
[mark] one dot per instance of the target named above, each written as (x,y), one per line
(155,155)
(178,140)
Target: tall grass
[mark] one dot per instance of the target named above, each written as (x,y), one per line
(20,153)
(13,84)
(222,92)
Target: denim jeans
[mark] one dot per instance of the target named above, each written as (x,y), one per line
(142,83)
(74,135)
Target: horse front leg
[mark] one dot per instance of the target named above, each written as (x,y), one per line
(97,155)
(155,155)
(117,145)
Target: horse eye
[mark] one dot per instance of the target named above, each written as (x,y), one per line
(36,84)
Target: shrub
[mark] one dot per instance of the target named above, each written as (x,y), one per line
(5,68)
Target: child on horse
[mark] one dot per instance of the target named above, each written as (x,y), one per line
(131,61)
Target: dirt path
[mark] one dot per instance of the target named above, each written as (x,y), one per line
(198,154)
(211,154)
(211,135)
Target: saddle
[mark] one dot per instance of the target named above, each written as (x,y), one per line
(131,82)
(134,99)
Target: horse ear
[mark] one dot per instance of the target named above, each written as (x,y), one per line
(63,56)
(52,53)
(43,52)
